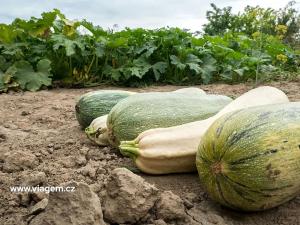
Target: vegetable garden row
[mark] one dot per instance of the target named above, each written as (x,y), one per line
(52,49)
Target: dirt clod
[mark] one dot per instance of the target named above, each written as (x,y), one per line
(170,207)
(34,179)
(208,217)
(81,207)
(38,196)
(19,160)
(38,207)
(128,198)
(88,170)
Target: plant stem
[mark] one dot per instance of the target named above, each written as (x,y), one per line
(90,66)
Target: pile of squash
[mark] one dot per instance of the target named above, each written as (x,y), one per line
(246,150)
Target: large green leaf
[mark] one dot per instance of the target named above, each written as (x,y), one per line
(15,50)
(135,71)
(176,61)
(6,80)
(99,50)
(8,33)
(147,50)
(140,67)
(192,59)
(207,69)
(37,27)
(69,45)
(241,71)
(195,67)
(158,69)
(109,71)
(3,63)
(33,80)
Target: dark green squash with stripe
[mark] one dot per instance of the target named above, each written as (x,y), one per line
(97,103)
(250,159)
(145,111)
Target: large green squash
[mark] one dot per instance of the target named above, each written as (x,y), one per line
(250,159)
(141,112)
(97,103)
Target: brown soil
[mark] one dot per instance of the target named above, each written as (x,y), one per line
(39,133)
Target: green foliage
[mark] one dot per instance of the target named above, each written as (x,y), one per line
(37,51)
(23,75)
(3,81)
(284,23)
(29,79)
(220,20)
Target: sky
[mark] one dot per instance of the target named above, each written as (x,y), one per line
(188,14)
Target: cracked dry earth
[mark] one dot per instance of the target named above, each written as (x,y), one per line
(41,144)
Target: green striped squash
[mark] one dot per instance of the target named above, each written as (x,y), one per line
(250,159)
(145,111)
(97,103)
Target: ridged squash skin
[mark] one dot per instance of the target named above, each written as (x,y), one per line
(249,159)
(97,103)
(141,112)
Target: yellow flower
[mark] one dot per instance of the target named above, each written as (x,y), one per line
(282,58)
(281,29)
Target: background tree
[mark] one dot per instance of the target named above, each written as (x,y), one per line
(220,20)
(283,23)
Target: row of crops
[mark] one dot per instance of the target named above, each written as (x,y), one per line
(52,49)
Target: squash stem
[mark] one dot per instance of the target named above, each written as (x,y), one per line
(92,132)
(129,145)
(89,131)
(129,151)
